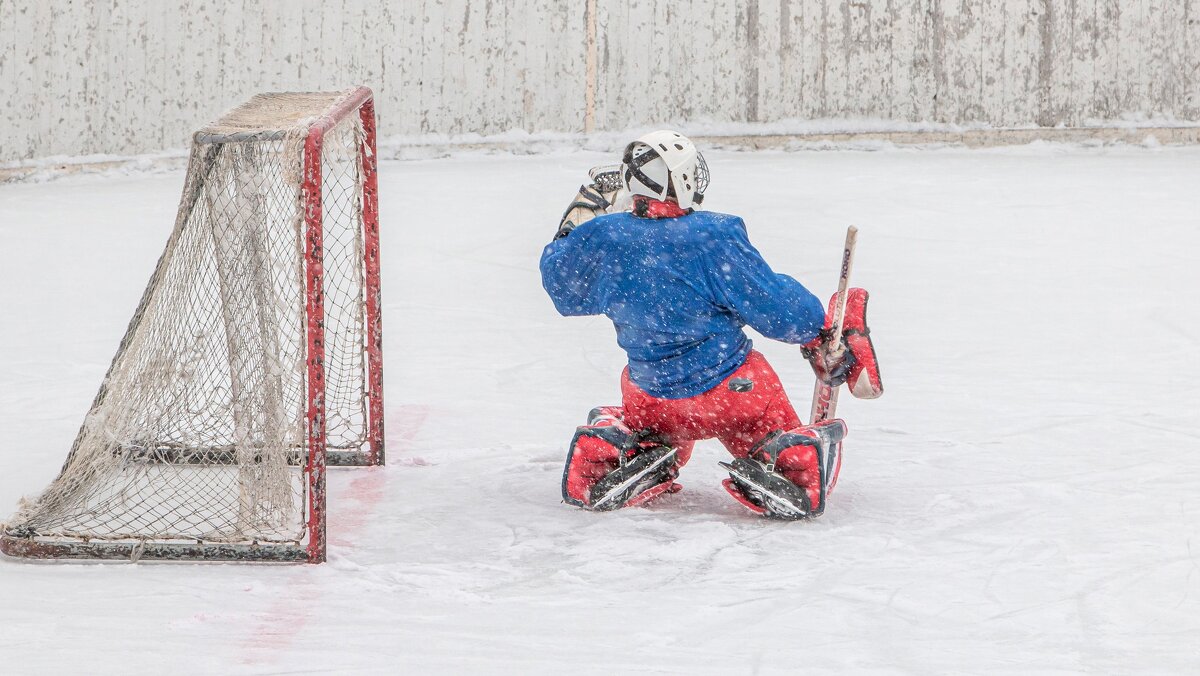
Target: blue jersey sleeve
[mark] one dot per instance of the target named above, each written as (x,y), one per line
(572,273)
(773,304)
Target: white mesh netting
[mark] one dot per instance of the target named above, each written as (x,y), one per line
(198,432)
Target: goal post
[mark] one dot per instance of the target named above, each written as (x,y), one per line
(254,359)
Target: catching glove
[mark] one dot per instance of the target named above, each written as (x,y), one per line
(596,198)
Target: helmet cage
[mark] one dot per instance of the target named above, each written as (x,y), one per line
(701,178)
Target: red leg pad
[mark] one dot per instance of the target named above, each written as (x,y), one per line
(606,415)
(806,456)
(799,465)
(595,452)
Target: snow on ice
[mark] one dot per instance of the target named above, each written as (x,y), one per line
(1024,499)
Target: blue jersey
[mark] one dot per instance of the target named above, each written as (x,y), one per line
(679,291)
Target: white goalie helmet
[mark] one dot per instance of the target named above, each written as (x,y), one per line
(665,164)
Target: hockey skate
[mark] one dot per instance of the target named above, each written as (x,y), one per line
(763,490)
(646,474)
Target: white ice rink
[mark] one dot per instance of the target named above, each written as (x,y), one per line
(1024,499)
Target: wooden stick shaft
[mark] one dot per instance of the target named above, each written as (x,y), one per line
(843,284)
(825,398)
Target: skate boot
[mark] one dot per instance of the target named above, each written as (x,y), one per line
(643,474)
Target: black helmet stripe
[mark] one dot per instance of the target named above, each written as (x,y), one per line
(634,167)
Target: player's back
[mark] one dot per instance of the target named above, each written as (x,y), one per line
(658,272)
(659,294)
(679,291)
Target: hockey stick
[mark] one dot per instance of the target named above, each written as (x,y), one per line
(825,397)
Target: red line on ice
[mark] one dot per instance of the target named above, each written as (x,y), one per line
(278,627)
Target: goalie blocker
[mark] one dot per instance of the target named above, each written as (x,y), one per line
(854,363)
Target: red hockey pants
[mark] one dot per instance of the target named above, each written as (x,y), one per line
(739,412)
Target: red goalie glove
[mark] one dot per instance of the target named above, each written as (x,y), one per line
(855,362)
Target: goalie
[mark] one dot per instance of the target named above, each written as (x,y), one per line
(679,285)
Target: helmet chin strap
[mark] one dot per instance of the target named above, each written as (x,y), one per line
(648,207)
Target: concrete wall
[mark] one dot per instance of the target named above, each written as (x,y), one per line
(132,76)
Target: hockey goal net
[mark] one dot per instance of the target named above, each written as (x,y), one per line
(252,361)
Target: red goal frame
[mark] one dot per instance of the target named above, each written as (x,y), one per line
(362,100)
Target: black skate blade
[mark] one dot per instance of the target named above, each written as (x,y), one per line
(780,498)
(649,469)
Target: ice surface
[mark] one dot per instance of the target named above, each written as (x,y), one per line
(1025,498)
